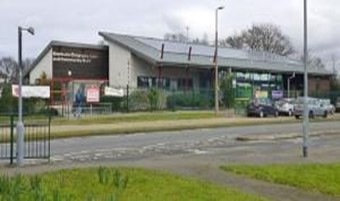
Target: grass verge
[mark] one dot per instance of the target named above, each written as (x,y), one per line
(135,117)
(324,178)
(111,184)
(147,122)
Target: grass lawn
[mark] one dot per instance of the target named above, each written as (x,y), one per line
(324,178)
(135,117)
(110,184)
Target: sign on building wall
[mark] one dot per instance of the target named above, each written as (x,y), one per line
(31,91)
(111,91)
(80,63)
(277,94)
(92,94)
(261,94)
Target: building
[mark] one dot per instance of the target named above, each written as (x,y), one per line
(69,67)
(142,62)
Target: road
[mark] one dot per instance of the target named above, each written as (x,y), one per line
(141,145)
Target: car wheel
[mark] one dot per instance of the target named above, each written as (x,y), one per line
(297,116)
(325,114)
(261,115)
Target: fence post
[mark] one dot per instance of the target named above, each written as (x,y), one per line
(11,138)
(127,98)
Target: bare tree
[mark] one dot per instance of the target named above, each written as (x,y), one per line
(233,41)
(176,37)
(203,41)
(261,37)
(314,61)
(179,37)
(8,69)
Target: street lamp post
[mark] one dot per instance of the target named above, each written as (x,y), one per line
(216,61)
(69,93)
(305,105)
(288,84)
(20,124)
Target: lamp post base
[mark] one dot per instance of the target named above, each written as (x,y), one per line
(20,143)
(305,151)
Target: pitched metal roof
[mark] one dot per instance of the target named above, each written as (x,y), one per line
(176,53)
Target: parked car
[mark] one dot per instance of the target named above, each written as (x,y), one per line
(337,105)
(285,106)
(262,107)
(315,108)
(327,104)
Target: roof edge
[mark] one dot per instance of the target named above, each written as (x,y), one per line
(106,36)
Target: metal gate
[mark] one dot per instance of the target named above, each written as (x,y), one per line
(37,139)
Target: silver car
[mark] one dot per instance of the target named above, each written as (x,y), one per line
(327,104)
(285,106)
(315,108)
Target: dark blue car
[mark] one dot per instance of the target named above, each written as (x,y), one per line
(262,107)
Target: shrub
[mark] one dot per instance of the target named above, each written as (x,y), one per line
(153,97)
(115,101)
(188,100)
(138,100)
(227,90)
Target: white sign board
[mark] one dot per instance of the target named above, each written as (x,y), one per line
(92,94)
(31,91)
(110,91)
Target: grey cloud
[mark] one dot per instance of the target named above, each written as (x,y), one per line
(78,20)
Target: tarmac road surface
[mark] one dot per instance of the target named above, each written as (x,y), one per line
(141,145)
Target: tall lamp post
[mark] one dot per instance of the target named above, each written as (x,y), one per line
(305,105)
(288,84)
(216,61)
(20,124)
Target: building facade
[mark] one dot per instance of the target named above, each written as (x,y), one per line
(141,62)
(68,68)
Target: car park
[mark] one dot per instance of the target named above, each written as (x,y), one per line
(315,108)
(285,106)
(262,107)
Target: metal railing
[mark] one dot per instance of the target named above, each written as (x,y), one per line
(37,139)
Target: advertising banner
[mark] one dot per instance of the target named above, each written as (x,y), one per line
(31,91)
(92,94)
(110,91)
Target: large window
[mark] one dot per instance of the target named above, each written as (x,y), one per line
(183,83)
(149,82)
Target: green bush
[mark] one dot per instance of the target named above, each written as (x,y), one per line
(187,100)
(153,97)
(144,99)
(228,91)
(8,103)
(138,100)
(115,101)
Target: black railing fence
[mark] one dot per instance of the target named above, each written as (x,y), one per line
(36,138)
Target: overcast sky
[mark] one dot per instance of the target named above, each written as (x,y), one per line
(80,21)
